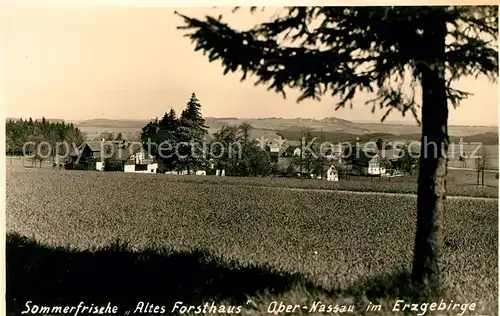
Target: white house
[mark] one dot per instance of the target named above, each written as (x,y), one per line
(375,166)
(274,152)
(296,152)
(221,173)
(332,174)
(99,165)
(335,153)
(140,162)
(148,167)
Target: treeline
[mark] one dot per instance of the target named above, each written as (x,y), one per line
(34,132)
(110,136)
(182,143)
(240,154)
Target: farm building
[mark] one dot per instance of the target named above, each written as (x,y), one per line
(376,166)
(369,164)
(274,152)
(85,155)
(140,162)
(288,151)
(335,153)
(143,167)
(126,156)
(291,151)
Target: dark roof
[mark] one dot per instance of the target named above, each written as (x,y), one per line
(122,151)
(363,157)
(95,146)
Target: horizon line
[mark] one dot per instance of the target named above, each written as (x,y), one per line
(74,121)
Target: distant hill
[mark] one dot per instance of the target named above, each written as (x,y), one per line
(488,138)
(293,135)
(335,120)
(332,128)
(112,123)
(222,118)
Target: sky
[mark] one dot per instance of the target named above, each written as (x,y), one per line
(129,62)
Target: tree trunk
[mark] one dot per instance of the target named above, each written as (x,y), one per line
(433,163)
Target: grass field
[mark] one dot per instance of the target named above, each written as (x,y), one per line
(199,242)
(459,182)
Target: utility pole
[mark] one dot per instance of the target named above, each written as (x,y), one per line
(482,172)
(301,152)
(322,155)
(478,163)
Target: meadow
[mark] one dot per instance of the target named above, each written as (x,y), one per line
(121,237)
(459,182)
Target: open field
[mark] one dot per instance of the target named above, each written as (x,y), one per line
(459,182)
(94,132)
(472,150)
(202,241)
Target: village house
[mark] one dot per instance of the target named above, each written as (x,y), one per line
(369,163)
(332,174)
(274,152)
(290,151)
(334,154)
(296,152)
(376,166)
(86,156)
(126,156)
(139,161)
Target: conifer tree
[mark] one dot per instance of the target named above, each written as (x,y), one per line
(191,132)
(372,49)
(169,121)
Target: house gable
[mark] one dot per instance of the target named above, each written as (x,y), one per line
(375,161)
